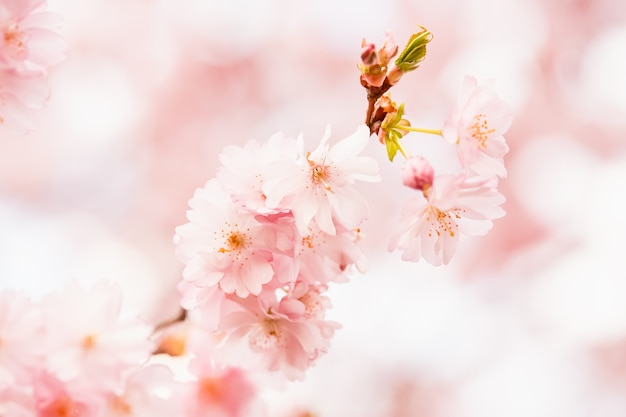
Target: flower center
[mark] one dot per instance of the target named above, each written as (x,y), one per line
(89,342)
(234,240)
(320,174)
(480,130)
(15,41)
(441,221)
(269,336)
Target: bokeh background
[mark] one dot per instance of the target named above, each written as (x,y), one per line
(529,321)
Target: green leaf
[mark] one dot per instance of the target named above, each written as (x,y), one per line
(415,50)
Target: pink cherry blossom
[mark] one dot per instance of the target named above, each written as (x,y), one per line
(21,337)
(243,169)
(432,222)
(223,244)
(88,337)
(19,94)
(280,341)
(148,391)
(220,391)
(318,186)
(55,398)
(477,125)
(29,41)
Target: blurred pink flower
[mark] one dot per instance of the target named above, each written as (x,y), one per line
(147,392)
(219,391)
(477,126)
(432,222)
(89,340)
(318,186)
(21,336)
(29,41)
(55,398)
(19,93)
(223,244)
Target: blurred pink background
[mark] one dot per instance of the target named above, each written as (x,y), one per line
(529,321)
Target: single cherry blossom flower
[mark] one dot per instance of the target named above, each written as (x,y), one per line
(88,337)
(242,172)
(432,222)
(220,391)
(319,185)
(56,398)
(282,342)
(477,125)
(21,337)
(28,37)
(223,244)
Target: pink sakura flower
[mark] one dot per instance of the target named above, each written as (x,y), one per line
(88,338)
(477,126)
(56,398)
(432,222)
(148,391)
(281,340)
(219,391)
(21,337)
(223,244)
(28,40)
(19,94)
(320,257)
(318,186)
(243,170)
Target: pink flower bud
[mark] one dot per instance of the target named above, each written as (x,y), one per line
(417,173)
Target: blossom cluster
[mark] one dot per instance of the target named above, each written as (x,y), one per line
(263,241)
(75,353)
(29,46)
(446,206)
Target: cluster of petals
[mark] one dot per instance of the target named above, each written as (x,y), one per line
(73,353)
(29,46)
(448,207)
(276,220)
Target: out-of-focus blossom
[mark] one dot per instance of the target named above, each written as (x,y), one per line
(21,336)
(220,391)
(477,125)
(29,41)
(432,223)
(56,398)
(88,338)
(29,45)
(318,186)
(148,391)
